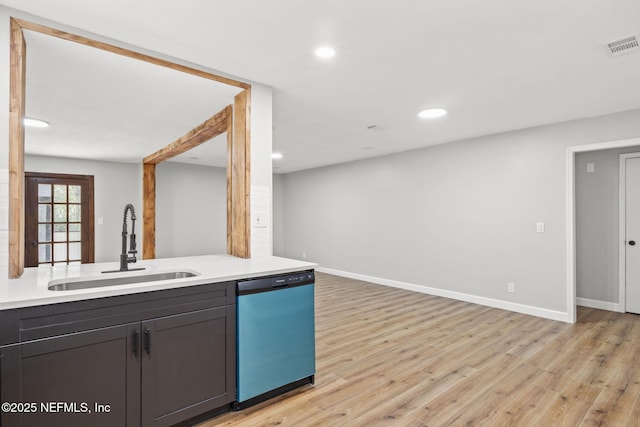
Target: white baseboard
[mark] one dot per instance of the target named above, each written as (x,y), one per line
(490,302)
(602,305)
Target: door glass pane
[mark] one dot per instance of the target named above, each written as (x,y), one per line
(74,232)
(60,213)
(44,193)
(74,213)
(44,232)
(60,193)
(44,253)
(59,252)
(44,213)
(74,194)
(74,250)
(60,232)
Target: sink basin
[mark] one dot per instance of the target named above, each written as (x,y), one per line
(114,281)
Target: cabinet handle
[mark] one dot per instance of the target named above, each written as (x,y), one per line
(147,341)
(136,340)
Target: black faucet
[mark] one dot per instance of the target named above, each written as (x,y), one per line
(127,257)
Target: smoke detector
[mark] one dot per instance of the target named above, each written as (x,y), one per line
(623,46)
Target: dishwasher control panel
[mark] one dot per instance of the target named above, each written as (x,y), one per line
(273,283)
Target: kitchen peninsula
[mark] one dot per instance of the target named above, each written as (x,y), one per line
(147,353)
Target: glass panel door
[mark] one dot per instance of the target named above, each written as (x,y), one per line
(59,225)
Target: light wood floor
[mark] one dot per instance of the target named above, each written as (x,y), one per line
(389,357)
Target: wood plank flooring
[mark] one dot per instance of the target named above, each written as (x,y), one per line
(390,357)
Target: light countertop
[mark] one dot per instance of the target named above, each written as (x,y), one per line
(32,288)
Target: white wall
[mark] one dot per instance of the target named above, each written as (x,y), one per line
(458,217)
(261,174)
(278,215)
(597,232)
(115,185)
(191,210)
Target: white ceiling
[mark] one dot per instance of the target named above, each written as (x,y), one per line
(103,106)
(496,65)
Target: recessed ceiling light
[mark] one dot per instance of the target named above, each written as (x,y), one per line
(276,156)
(432,113)
(325,52)
(35,123)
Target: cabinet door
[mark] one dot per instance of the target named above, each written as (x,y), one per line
(188,365)
(83,379)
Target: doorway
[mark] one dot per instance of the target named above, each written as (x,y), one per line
(59,225)
(630,231)
(571,228)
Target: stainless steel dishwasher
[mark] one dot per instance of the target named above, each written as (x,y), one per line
(276,336)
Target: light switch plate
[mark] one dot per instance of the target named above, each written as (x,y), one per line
(591,167)
(259,221)
(540,227)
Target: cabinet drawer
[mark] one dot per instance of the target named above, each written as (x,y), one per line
(30,323)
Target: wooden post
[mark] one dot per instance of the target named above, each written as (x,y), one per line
(149,211)
(241,177)
(229,180)
(16,150)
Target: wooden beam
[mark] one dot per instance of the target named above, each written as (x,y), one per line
(148,211)
(229,179)
(241,177)
(210,128)
(27,25)
(17,68)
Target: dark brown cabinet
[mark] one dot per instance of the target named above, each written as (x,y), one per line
(185,365)
(58,381)
(152,359)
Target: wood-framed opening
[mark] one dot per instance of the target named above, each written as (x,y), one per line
(233,120)
(236,124)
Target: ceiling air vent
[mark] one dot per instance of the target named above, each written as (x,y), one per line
(375,128)
(623,46)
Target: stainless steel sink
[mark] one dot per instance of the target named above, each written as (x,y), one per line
(114,281)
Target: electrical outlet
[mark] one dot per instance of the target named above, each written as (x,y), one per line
(511,287)
(304,255)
